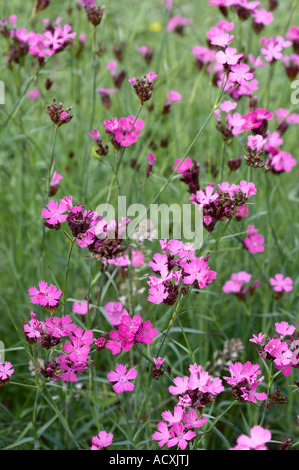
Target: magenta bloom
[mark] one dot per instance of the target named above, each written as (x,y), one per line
(173,96)
(101,440)
(55,212)
(122,378)
(115,311)
(81,307)
(281,284)
(163,434)
(146,333)
(47,296)
(229,56)
(254,242)
(33,95)
(59,327)
(257,440)
(222,40)
(6,370)
(184,166)
(240,73)
(181,437)
(177,22)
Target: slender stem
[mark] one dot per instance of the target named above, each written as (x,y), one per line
(67,274)
(93,101)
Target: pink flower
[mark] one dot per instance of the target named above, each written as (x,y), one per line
(256,142)
(63,116)
(282,162)
(137,258)
(262,16)
(222,40)
(33,95)
(281,284)
(163,434)
(254,242)
(101,440)
(240,73)
(258,437)
(157,294)
(146,333)
(81,307)
(181,437)
(6,370)
(94,134)
(284,329)
(176,22)
(55,212)
(115,311)
(180,387)
(47,296)
(122,378)
(151,158)
(228,106)
(184,166)
(229,56)
(173,96)
(60,327)
(56,178)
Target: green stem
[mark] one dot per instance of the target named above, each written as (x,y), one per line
(67,274)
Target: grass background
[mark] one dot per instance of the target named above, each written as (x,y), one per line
(29,419)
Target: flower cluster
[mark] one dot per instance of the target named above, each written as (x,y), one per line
(254,242)
(282,349)
(236,285)
(58,114)
(123,132)
(48,334)
(194,392)
(89,228)
(144,87)
(189,171)
(130,331)
(177,265)
(244,382)
(53,40)
(223,203)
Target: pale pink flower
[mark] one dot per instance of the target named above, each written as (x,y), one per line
(240,73)
(281,284)
(257,440)
(81,307)
(173,96)
(122,378)
(6,370)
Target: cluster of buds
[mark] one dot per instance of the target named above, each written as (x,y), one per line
(275,398)
(224,203)
(282,349)
(151,161)
(255,149)
(157,369)
(101,150)
(234,163)
(144,87)
(147,53)
(94,14)
(189,169)
(58,114)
